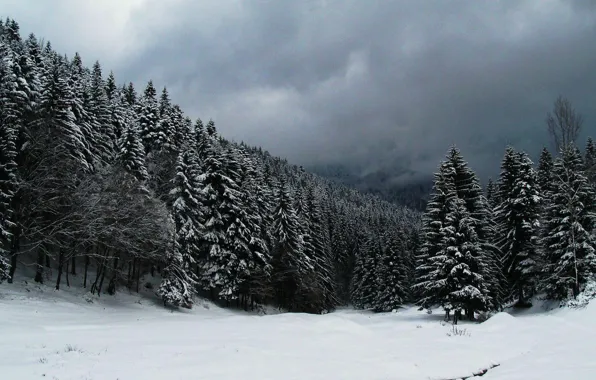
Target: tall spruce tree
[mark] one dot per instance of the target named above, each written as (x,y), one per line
(518,223)
(570,221)
(429,287)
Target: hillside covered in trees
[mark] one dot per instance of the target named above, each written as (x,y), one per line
(110,183)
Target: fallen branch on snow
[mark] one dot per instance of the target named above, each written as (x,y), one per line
(482,372)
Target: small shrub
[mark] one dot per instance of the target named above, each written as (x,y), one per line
(43,360)
(418,326)
(148,285)
(456,331)
(71,348)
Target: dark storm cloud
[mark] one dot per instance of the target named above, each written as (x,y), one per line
(373,83)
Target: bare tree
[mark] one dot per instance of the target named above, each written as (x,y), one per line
(564,123)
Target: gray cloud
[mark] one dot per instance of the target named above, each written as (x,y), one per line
(371,83)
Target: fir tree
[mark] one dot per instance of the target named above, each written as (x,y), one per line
(518,216)
(289,262)
(186,207)
(460,263)
(429,287)
(590,160)
(391,276)
(491,193)
(177,286)
(545,172)
(148,118)
(570,220)
(131,153)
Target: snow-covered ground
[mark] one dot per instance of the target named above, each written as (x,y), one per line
(60,335)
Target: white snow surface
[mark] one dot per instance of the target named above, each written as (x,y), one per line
(47,334)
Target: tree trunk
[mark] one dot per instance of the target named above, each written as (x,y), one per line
(138,277)
(112,285)
(39,269)
(67,272)
(103,276)
(48,263)
(14,253)
(60,266)
(87,260)
(98,276)
(129,278)
(73,267)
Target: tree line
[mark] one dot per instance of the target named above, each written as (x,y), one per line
(102,182)
(530,232)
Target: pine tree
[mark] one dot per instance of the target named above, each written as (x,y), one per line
(100,108)
(391,276)
(518,222)
(570,220)
(491,193)
(186,206)
(289,262)
(545,172)
(148,118)
(469,190)
(460,263)
(9,130)
(320,253)
(177,286)
(131,153)
(429,287)
(590,160)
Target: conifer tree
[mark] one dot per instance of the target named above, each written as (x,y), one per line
(570,219)
(518,221)
(99,107)
(186,207)
(590,160)
(429,289)
(148,118)
(545,172)
(460,263)
(288,259)
(491,193)
(131,153)
(177,286)
(469,190)
(391,276)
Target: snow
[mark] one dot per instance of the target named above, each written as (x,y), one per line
(69,335)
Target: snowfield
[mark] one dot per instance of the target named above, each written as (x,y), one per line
(62,335)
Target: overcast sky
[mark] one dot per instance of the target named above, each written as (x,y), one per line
(378,83)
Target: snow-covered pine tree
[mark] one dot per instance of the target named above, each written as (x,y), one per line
(518,223)
(148,117)
(117,110)
(320,254)
(469,190)
(391,275)
(99,106)
(429,287)
(178,283)
(364,287)
(258,250)
(289,263)
(130,94)
(9,129)
(545,172)
(590,160)
(568,241)
(186,207)
(460,263)
(491,193)
(131,153)
(165,129)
